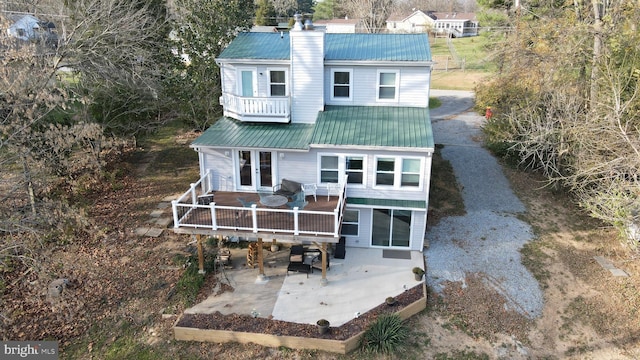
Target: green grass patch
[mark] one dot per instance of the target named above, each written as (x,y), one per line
(534,259)
(461,355)
(434,103)
(474,50)
(444,193)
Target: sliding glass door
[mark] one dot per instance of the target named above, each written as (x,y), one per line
(391,228)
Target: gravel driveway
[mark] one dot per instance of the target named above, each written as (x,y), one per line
(488,238)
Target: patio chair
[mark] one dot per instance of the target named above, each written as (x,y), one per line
(296,260)
(333,189)
(262,194)
(317,261)
(310,189)
(246,203)
(287,188)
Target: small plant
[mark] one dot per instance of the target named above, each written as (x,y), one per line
(418,271)
(390,300)
(385,334)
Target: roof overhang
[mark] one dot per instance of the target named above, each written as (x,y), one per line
(380,63)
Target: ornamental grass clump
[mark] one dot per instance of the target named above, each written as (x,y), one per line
(385,334)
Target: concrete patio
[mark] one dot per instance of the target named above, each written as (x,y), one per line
(359,282)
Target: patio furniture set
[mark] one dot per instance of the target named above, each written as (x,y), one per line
(304,260)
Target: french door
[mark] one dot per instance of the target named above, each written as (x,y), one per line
(255,170)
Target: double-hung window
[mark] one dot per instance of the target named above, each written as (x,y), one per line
(398,172)
(341,84)
(388,85)
(331,166)
(350,222)
(277,83)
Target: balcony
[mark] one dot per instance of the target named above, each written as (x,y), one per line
(256,109)
(320,221)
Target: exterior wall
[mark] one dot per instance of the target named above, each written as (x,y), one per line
(229,74)
(303,167)
(307,82)
(413,86)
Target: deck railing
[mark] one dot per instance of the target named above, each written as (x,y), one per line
(267,109)
(194,211)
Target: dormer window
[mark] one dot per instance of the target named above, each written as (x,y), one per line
(277,83)
(388,85)
(341,82)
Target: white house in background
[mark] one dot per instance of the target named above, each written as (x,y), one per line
(339,120)
(340,26)
(454,24)
(30,28)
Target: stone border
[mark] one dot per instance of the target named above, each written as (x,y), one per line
(293,342)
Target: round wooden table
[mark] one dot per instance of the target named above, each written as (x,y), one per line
(274,200)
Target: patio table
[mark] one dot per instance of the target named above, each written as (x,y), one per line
(274,200)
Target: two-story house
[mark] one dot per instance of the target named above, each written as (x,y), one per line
(340,120)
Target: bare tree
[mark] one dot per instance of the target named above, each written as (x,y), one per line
(372,13)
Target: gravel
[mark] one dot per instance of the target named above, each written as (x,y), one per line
(488,238)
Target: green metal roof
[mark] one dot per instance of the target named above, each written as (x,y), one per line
(227,132)
(354,47)
(256,45)
(382,126)
(362,126)
(413,204)
(377,47)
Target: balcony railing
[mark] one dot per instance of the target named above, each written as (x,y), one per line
(191,212)
(260,109)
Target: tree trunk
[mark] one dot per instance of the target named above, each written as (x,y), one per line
(26,172)
(598,12)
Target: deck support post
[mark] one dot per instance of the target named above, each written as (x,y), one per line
(261,275)
(324,281)
(200,254)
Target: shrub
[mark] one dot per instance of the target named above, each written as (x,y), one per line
(385,334)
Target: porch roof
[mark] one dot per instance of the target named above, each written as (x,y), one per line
(411,204)
(227,132)
(361,126)
(379,126)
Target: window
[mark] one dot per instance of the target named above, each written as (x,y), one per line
(332,166)
(398,172)
(355,169)
(329,169)
(277,83)
(350,222)
(385,168)
(341,84)
(387,85)
(410,172)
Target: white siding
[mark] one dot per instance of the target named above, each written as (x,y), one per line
(307,81)
(413,86)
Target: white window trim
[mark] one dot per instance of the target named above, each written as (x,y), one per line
(397,173)
(396,85)
(342,167)
(286,81)
(350,98)
(391,229)
(358,223)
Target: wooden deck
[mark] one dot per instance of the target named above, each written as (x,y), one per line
(319,221)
